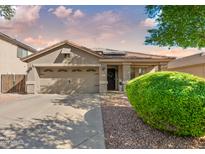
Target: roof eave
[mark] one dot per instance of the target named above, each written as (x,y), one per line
(30,57)
(134,60)
(16,42)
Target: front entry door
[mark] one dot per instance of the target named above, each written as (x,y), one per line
(111,79)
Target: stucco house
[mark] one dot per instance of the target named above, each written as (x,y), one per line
(67,68)
(194,64)
(11,51)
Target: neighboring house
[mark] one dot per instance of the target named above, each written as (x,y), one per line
(194,64)
(67,68)
(11,51)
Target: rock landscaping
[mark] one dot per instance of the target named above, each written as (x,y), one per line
(124,129)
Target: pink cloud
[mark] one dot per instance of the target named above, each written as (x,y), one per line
(75,31)
(106,36)
(62,12)
(78,14)
(148,22)
(27,14)
(40,41)
(122,41)
(25,17)
(84,41)
(101,27)
(107,26)
(177,52)
(108,17)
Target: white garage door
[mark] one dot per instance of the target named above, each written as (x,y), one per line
(69,80)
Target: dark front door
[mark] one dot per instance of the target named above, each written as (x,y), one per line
(111,78)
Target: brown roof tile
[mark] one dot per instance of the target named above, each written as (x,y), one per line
(126,55)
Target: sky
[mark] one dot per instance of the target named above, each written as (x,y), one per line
(115,27)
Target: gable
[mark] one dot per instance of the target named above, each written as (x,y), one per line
(57,55)
(59,45)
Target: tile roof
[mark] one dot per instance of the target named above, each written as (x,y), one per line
(99,52)
(111,53)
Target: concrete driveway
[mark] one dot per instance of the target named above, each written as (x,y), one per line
(52,121)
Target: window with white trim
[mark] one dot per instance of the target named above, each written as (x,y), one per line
(132,74)
(67,56)
(21,52)
(142,71)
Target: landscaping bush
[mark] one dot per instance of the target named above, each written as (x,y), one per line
(170,101)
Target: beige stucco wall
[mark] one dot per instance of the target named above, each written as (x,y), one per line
(126,73)
(196,59)
(198,70)
(103,78)
(120,73)
(194,64)
(9,62)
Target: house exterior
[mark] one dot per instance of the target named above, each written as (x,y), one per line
(11,51)
(194,64)
(67,68)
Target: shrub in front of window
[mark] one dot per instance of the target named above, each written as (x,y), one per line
(170,101)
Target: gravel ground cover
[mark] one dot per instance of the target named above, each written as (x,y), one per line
(124,129)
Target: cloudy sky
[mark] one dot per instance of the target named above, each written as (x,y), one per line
(115,27)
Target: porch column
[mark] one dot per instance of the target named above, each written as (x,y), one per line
(159,68)
(32,82)
(126,71)
(163,66)
(0,84)
(103,78)
(37,85)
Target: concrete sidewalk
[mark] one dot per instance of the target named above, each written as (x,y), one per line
(52,121)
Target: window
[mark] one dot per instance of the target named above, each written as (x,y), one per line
(21,52)
(62,70)
(48,70)
(76,70)
(67,55)
(91,70)
(132,75)
(142,71)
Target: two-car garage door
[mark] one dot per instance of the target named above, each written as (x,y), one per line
(69,80)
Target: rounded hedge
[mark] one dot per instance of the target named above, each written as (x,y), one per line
(170,101)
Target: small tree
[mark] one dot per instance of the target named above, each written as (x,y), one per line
(7,11)
(181,26)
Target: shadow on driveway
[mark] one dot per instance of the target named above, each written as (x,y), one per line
(82,101)
(59,130)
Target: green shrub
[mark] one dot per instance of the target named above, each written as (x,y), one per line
(170,101)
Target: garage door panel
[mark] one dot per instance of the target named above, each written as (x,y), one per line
(68,83)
